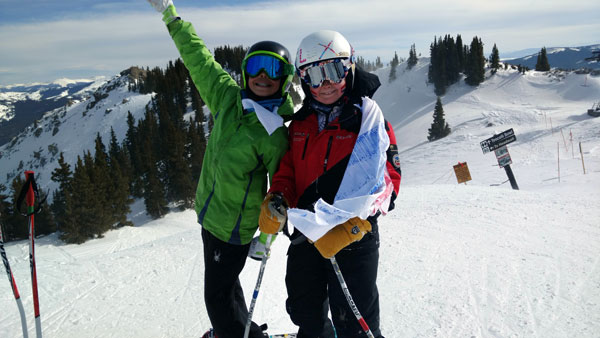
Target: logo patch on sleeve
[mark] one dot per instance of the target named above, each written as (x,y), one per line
(396,160)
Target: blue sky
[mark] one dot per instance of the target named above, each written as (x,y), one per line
(44,40)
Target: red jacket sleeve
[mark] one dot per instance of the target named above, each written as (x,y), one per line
(284,179)
(393,159)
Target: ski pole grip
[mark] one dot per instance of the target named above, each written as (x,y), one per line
(30,199)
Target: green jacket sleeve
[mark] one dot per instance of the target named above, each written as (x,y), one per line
(216,87)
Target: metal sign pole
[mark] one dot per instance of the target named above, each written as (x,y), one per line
(511,177)
(581,152)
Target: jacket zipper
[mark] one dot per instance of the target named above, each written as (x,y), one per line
(305,146)
(327,153)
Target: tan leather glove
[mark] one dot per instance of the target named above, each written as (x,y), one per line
(341,236)
(273,214)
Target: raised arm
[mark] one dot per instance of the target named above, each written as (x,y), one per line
(213,83)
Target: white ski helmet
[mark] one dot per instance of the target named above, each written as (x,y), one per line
(323,45)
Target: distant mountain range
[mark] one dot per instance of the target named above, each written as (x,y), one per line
(561,57)
(21,105)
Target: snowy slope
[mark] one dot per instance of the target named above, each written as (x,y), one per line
(474,260)
(540,107)
(21,105)
(72,130)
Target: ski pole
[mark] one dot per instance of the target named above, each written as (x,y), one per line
(29,192)
(13,284)
(357,314)
(30,200)
(263,263)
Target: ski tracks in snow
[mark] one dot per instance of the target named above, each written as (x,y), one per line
(455,261)
(471,262)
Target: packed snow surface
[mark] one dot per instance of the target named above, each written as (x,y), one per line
(457,260)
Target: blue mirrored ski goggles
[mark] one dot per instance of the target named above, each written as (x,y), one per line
(316,73)
(274,68)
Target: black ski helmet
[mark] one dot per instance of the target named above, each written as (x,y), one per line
(274,49)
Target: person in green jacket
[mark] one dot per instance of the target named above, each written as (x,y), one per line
(246,143)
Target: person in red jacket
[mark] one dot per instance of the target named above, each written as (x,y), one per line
(340,173)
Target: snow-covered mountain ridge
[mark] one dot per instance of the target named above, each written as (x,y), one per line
(71,129)
(562,57)
(22,105)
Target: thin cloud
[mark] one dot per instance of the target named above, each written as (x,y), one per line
(111,42)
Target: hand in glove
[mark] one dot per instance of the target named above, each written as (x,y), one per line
(273,214)
(258,246)
(167,9)
(160,5)
(341,236)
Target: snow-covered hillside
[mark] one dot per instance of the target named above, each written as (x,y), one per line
(470,260)
(541,107)
(22,105)
(562,57)
(71,129)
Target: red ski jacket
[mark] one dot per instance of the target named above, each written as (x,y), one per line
(314,165)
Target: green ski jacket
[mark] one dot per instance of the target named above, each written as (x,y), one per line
(239,152)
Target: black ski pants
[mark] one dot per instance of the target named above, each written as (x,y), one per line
(313,288)
(223,293)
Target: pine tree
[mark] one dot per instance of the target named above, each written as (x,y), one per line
(439,128)
(542,64)
(6,211)
(474,67)
(94,209)
(4,204)
(197,103)
(437,67)
(154,195)
(119,192)
(101,181)
(460,50)
(147,141)
(16,224)
(361,63)
(77,222)
(412,57)
(176,173)
(154,191)
(394,64)
(45,222)
(451,60)
(230,58)
(131,144)
(63,176)
(495,59)
(118,154)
